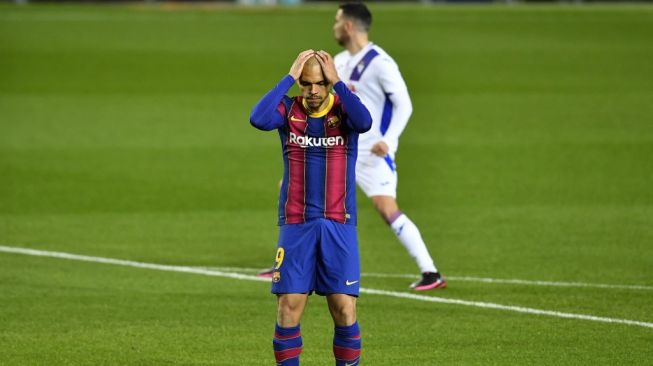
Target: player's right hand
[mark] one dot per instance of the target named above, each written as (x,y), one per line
(298,65)
(328,66)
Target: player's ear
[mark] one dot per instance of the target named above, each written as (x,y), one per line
(349,25)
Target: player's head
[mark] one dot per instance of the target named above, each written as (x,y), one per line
(351,17)
(314,86)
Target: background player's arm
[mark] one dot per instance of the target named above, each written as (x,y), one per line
(394,85)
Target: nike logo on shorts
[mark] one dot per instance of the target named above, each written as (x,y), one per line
(349,283)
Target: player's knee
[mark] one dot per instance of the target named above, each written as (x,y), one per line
(386,207)
(289,310)
(388,212)
(343,312)
(289,307)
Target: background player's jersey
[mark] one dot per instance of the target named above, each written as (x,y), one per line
(375,78)
(319,153)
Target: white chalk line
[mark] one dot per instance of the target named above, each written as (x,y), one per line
(370,291)
(510,281)
(121,262)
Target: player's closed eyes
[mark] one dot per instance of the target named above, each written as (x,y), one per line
(306,83)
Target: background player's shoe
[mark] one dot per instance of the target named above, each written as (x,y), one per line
(429,281)
(266,273)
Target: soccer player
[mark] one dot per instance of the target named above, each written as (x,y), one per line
(374,77)
(317,249)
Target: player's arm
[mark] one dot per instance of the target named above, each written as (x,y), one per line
(394,86)
(267,113)
(358,117)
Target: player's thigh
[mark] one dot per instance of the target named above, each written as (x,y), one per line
(377,177)
(294,264)
(338,267)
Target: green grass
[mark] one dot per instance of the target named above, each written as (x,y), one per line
(124,134)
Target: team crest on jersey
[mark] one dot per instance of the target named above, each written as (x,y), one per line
(333,122)
(360,67)
(276,276)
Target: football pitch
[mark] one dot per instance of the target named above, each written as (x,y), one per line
(137,202)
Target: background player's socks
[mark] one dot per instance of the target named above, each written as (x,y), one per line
(287,345)
(408,234)
(347,345)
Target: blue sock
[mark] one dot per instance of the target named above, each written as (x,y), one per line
(287,345)
(347,345)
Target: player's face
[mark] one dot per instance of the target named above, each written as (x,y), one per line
(339,29)
(314,87)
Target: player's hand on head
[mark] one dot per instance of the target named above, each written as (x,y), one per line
(328,66)
(298,65)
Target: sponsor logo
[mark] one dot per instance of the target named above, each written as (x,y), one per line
(295,119)
(306,141)
(333,122)
(349,283)
(276,276)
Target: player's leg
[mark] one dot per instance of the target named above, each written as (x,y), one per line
(379,182)
(406,231)
(292,280)
(410,237)
(287,342)
(346,333)
(338,276)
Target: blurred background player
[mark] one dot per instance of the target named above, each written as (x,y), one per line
(374,77)
(317,250)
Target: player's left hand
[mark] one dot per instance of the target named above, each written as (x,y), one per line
(328,66)
(380,149)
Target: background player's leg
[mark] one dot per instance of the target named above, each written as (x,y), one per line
(287,340)
(406,231)
(410,237)
(346,334)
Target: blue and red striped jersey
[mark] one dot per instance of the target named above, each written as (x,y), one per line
(319,152)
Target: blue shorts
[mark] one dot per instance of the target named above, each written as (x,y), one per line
(319,255)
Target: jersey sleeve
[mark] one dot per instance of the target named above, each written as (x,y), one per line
(358,117)
(269,113)
(395,88)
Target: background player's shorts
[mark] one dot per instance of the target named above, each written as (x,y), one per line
(376,176)
(319,255)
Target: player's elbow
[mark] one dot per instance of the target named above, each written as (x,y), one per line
(405,107)
(409,109)
(258,121)
(362,122)
(367,123)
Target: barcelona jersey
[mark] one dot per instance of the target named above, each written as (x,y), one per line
(319,152)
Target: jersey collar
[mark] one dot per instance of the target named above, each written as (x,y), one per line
(324,111)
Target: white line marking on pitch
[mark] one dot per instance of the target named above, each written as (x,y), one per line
(121,262)
(511,281)
(514,281)
(238,276)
